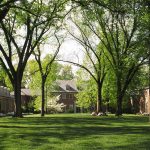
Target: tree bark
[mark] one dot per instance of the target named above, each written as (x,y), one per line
(119,97)
(17,94)
(119,105)
(43,97)
(99,98)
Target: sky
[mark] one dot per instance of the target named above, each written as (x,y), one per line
(70,50)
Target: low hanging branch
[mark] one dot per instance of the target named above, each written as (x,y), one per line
(81,66)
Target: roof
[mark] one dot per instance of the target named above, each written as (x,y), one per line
(26,92)
(67,85)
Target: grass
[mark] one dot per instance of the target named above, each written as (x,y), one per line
(75,132)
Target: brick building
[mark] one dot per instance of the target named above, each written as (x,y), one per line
(66,91)
(144,101)
(26,98)
(6,101)
(141,101)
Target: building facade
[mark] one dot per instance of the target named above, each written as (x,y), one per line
(66,91)
(26,99)
(7,102)
(145,101)
(141,101)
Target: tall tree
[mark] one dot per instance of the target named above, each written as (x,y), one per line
(121,32)
(45,67)
(94,53)
(22,31)
(86,98)
(66,73)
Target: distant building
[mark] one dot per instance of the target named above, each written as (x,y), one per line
(26,98)
(66,91)
(7,102)
(145,101)
(141,101)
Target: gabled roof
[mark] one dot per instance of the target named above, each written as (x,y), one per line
(67,85)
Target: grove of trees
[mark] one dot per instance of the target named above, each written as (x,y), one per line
(114,36)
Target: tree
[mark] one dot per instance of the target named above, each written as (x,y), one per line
(94,52)
(86,98)
(53,106)
(45,69)
(4,7)
(120,31)
(34,77)
(66,73)
(22,32)
(109,90)
(2,73)
(4,79)
(140,80)
(94,63)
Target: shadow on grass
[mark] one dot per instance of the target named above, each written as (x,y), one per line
(54,130)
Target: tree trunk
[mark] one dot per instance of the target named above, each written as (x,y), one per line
(99,98)
(119,105)
(119,98)
(43,97)
(17,94)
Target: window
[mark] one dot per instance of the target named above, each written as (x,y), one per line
(63,96)
(70,106)
(67,96)
(71,96)
(67,87)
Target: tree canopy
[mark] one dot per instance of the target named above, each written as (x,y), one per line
(114,36)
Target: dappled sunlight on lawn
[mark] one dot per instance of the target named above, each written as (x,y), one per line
(75,131)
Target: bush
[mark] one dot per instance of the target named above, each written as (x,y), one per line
(53,106)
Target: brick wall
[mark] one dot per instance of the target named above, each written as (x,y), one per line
(145,102)
(6,104)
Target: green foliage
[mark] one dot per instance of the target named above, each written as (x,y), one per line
(34,77)
(8,83)
(2,75)
(109,89)
(5,79)
(140,80)
(37,104)
(25,26)
(87,95)
(66,73)
(122,32)
(114,34)
(29,108)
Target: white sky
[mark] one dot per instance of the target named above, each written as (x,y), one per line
(70,50)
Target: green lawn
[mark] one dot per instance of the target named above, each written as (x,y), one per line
(75,132)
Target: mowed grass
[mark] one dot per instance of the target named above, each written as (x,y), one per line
(75,132)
